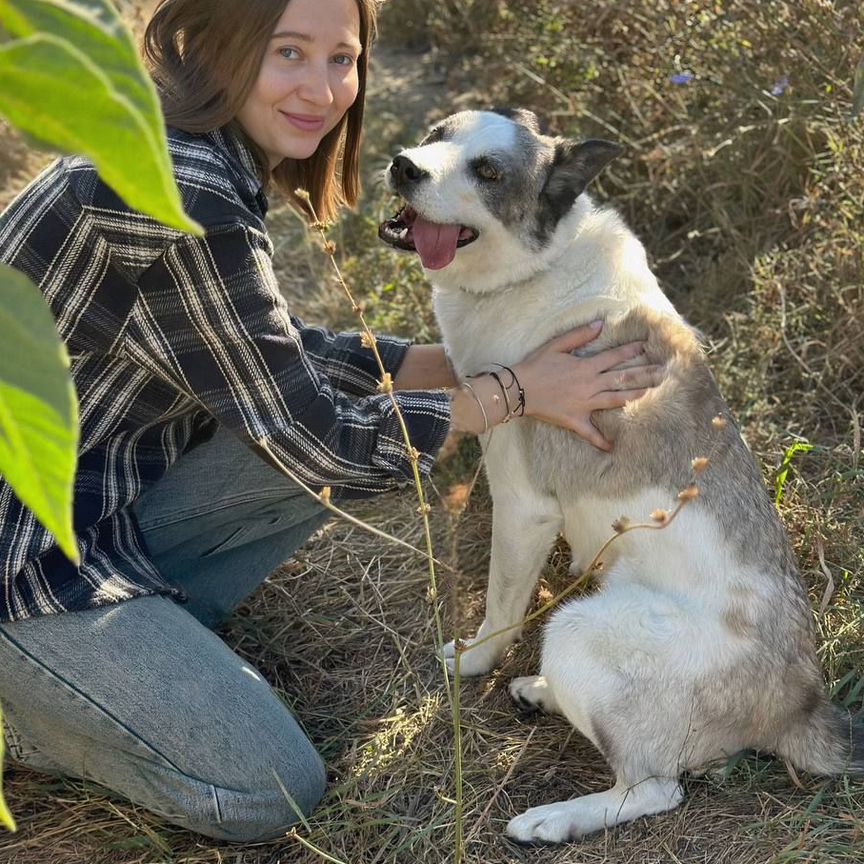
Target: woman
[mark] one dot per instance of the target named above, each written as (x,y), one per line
(185,358)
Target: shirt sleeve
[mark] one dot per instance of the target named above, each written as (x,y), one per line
(345,363)
(210,319)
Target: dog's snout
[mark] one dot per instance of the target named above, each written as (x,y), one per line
(404,171)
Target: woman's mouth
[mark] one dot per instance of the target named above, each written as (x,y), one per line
(304,122)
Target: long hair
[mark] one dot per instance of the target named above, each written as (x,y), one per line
(205,56)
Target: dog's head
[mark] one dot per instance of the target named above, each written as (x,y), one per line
(485,191)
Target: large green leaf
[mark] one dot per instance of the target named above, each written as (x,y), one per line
(75,82)
(38,408)
(5,816)
(96,30)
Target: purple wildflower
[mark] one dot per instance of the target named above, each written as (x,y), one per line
(780,87)
(681,77)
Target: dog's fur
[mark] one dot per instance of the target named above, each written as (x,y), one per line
(699,642)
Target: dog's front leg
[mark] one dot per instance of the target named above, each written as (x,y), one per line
(524,528)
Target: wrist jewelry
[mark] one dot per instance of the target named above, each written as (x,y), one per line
(496,398)
(470,389)
(519,410)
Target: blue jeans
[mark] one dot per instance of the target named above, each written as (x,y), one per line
(142,697)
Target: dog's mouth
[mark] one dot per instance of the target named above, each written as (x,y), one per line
(436,244)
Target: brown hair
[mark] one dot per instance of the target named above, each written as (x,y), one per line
(205,56)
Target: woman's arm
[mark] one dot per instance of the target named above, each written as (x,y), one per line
(210,320)
(344,361)
(425,367)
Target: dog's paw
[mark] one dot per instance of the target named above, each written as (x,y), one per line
(551,823)
(566,821)
(474,661)
(533,693)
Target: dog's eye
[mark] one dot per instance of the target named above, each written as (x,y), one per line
(487,171)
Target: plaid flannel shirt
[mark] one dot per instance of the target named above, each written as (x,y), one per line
(170,335)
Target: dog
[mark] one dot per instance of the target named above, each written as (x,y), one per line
(699,642)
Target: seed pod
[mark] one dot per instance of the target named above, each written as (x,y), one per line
(689,493)
(620,525)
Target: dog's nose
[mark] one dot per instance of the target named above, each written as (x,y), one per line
(404,171)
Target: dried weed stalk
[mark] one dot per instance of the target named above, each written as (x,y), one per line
(385,385)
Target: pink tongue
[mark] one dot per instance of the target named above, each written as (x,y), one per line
(436,244)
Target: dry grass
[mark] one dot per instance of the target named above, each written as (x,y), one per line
(752,207)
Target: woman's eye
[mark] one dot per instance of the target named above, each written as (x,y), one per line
(343,60)
(485,171)
(289,53)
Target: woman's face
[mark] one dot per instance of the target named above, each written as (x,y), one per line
(308,78)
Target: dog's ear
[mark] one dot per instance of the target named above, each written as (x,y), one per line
(574,166)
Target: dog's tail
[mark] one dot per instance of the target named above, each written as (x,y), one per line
(825,740)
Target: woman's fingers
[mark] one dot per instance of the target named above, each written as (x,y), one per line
(564,390)
(609,359)
(616,398)
(573,339)
(586,430)
(633,378)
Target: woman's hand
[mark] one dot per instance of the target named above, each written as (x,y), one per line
(563,389)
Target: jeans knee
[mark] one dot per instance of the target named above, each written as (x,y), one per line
(306,789)
(268,812)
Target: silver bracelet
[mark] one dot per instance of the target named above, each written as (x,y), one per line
(479,405)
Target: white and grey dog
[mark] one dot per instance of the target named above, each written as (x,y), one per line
(699,642)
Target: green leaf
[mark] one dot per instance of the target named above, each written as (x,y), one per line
(5,816)
(38,408)
(858,90)
(783,472)
(80,50)
(95,28)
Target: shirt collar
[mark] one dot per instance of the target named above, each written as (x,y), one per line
(241,159)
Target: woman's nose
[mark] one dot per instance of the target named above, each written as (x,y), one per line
(316,85)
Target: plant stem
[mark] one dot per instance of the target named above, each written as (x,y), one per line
(386,386)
